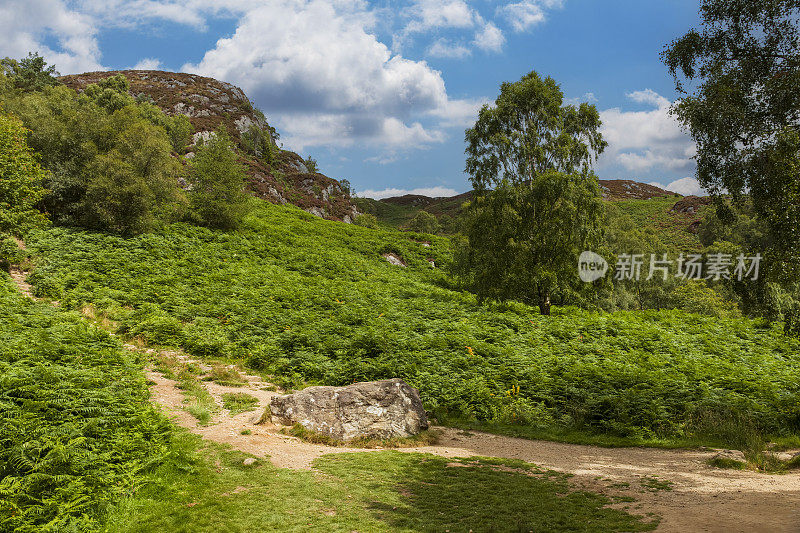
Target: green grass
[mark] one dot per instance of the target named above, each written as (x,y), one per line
(656,484)
(239,402)
(313,302)
(197,400)
(375,491)
(227,377)
(201,411)
(727,463)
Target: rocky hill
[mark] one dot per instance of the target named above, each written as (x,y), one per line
(277,175)
(629,189)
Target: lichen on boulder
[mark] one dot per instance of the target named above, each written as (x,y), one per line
(376,409)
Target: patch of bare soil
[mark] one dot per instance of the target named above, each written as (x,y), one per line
(18,277)
(677,485)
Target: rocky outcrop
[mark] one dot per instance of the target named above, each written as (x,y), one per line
(210,104)
(375,409)
(690,205)
(207,103)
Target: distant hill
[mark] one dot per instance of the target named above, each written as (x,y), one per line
(629,189)
(674,218)
(209,104)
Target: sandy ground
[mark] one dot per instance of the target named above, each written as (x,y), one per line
(702,498)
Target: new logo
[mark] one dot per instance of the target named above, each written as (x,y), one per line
(591,266)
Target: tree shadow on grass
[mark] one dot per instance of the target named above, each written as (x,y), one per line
(430,493)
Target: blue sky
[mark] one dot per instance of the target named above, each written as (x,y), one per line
(380,92)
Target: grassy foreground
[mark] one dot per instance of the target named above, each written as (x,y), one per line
(312,301)
(367,492)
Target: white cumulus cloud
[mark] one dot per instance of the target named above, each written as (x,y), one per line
(524,15)
(445,48)
(644,140)
(317,68)
(148,63)
(490,38)
(686,186)
(436,14)
(27,26)
(422,191)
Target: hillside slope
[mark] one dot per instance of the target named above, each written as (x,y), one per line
(313,301)
(210,104)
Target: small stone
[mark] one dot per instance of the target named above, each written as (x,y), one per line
(250,461)
(734,455)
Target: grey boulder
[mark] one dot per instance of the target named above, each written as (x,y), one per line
(374,409)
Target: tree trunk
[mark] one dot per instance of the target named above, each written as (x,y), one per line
(544,304)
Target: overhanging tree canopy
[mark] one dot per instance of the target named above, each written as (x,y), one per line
(744,113)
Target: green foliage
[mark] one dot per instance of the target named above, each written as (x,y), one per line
(529,132)
(154,326)
(239,402)
(110,170)
(545,207)
(311,165)
(424,222)
(745,62)
(77,431)
(30,73)
(21,179)
(180,132)
(260,142)
(697,297)
(10,253)
(522,240)
(129,186)
(218,199)
(366,220)
(312,301)
(110,93)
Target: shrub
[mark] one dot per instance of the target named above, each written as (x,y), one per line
(424,222)
(159,329)
(218,199)
(77,431)
(205,338)
(21,179)
(10,253)
(109,158)
(697,297)
(180,132)
(311,165)
(30,73)
(366,220)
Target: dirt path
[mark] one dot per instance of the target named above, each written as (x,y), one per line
(699,497)
(18,277)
